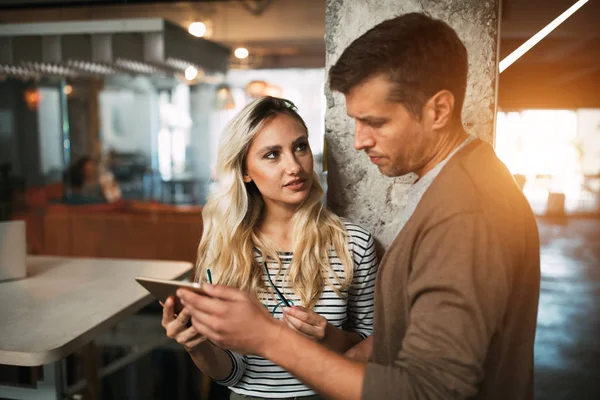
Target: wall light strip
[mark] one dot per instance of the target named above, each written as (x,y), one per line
(525,47)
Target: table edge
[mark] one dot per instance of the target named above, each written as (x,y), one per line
(34,359)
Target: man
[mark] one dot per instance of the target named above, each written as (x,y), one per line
(457,291)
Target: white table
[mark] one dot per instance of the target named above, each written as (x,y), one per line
(62,305)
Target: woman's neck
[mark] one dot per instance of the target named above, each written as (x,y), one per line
(276,226)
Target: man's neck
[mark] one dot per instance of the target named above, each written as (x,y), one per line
(447,144)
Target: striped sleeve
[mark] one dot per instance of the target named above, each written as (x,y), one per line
(238,362)
(361,294)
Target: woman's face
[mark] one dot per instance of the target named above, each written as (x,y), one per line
(280,162)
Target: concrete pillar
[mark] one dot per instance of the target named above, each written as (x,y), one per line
(356,188)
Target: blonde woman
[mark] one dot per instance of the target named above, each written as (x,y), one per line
(268,233)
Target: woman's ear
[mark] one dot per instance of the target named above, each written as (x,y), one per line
(246,178)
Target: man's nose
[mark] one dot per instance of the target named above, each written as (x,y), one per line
(363,139)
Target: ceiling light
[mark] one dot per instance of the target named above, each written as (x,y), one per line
(68,89)
(273,90)
(191,73)
(241,52)
(525,47)
(197,29)
(33,97)
(256,89)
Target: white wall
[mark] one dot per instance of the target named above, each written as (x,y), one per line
(304,87)
(49,127)
(588,132)
(129,118)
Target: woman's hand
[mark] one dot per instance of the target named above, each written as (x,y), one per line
(306,321)
(177,327)
(232,319)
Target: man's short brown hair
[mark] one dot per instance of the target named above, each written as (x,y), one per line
(420,56)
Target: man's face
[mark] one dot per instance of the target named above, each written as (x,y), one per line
(395,140)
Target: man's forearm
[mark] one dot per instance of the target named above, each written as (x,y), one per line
(330,374)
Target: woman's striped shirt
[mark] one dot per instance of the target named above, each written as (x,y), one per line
(256,376)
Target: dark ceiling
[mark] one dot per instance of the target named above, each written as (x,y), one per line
(562,71)
(16,4)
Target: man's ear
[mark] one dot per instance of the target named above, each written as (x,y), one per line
(440,108)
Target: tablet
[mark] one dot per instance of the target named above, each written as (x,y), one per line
(162,288)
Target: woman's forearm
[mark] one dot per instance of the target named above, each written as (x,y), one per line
(211,360)
(339,340)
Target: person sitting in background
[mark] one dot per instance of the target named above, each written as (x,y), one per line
(85,186)
(268,233)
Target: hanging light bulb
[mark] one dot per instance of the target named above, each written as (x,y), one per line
(273,90)
(197,29)
(191,73)
(256,89)
(241,53)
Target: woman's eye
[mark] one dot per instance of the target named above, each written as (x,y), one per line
(302,147)
(271,155)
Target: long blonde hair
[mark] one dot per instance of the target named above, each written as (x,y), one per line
(231,216)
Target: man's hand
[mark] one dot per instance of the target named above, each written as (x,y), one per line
(306,321)
(361,352)
(235,320)
(231,318)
